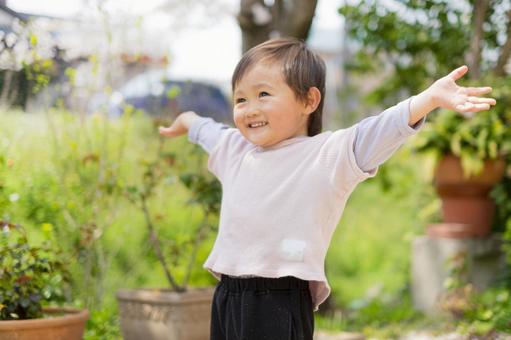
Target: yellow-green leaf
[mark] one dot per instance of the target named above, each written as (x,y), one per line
(33,39)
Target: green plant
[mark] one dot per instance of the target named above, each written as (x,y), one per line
(205,191)
(29,275)
(501,195)
(492,313)
(103,324)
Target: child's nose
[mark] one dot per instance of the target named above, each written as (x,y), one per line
(252,112)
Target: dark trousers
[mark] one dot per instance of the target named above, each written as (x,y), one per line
(262,309)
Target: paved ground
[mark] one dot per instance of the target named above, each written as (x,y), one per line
(426,336)
(320,335)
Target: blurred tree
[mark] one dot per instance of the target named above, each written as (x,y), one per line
(416,41)
(261,20)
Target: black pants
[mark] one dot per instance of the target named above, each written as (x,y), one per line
(262,309)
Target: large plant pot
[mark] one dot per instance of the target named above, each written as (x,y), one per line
(465,201)
(61,324)
(158,314)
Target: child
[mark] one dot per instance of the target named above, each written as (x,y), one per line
(285,184)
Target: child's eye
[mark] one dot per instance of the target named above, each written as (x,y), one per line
(240,100)
(263,94)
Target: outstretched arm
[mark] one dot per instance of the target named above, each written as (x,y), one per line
(201,130)
(445,93)
(180,125)
(378,137)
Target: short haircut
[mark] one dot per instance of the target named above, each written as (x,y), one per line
(301,68)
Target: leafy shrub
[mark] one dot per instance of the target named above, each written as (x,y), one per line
(29,275)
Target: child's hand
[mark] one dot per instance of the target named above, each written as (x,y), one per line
(465,100)
(180,125)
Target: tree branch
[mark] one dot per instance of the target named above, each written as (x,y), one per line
(258,21)
(296,19)
(199,237)
(253,30)
(474,55)
(157,247)
(505,51)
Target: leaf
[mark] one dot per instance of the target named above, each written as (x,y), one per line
(173,92)
(33,39)
(492,149)
(456,144)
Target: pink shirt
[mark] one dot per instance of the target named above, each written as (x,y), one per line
(281,204)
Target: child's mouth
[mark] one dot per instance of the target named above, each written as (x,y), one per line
(257,125)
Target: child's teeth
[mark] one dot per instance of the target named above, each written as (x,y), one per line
(257,124)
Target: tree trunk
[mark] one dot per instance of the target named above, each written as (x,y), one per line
(505,51)
(6,89)
(259,21)
(474,54)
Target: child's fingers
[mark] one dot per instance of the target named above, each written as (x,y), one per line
(482,100)
(458,73)
(478,91)
(471,107)
(167,132)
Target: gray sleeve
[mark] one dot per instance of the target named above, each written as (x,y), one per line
(206,132)
(378,137)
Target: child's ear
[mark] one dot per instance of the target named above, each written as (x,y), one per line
(313,100)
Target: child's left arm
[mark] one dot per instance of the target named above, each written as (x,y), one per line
(445,93)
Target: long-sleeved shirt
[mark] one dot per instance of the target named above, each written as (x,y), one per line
(282,203)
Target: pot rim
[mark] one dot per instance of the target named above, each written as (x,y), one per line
(73,316)
(165,295)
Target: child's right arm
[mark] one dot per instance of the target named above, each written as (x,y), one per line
(201,130)
(180,125)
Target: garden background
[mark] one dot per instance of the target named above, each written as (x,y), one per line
(90,182)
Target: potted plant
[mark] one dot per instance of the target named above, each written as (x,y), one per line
(176,313)
(471,156)
(30,276)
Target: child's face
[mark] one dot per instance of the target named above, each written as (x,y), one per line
(262,95)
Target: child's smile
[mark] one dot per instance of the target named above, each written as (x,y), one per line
(266,110)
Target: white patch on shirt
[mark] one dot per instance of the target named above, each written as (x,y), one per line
(292,250)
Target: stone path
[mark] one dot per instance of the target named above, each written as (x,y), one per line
(322,335)
(426,336)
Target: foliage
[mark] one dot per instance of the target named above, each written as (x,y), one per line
(58,169)
(29,275)
(415,42)
(205,191)
(371,252)
(501,194)
(478,313)
(26,67)
(419,42)
(103,324)
(491,313)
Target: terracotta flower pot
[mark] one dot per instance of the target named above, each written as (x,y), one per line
(466,201)
(157,314)
(61,324)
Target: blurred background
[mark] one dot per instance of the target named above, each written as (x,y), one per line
(84,84)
